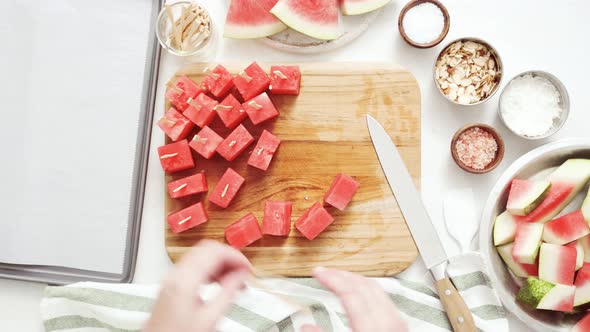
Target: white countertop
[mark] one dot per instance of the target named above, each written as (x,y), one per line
(528,34)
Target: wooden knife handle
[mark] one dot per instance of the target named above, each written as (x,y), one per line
(457,311)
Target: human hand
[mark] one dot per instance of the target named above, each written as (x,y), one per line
(369,309)
(179,306)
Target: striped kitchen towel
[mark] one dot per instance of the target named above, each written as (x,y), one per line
(125,307)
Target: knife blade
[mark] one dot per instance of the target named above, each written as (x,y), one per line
(408,199)
(420,224)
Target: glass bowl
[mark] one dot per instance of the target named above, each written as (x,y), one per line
(164,27)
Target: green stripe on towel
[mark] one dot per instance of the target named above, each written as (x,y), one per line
(249,319)
(489,312)
(417,287)
(102,297)
(421,311)
(286,325)
(308,282)
(76,322)
(466,281)
(318,311)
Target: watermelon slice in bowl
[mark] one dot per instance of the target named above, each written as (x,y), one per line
(251,19)
(538,164)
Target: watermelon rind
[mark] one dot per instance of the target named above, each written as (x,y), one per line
(583,325)
(299,23)
(504,229)
(530,199)
(350,8)
(527,242)
(582,284)
(575,172)
(237,31)
(533,291)
(559,298)
(586,207)
(505,251)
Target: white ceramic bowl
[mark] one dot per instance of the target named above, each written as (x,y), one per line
(534,162)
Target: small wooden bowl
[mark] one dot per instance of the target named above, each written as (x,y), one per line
(491,165)
(414,3)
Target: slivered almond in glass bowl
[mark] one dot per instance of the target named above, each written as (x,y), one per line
(468,71)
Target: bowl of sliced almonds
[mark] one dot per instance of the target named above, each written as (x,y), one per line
(468,71)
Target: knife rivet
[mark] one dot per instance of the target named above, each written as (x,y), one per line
(460,319)
(448,292)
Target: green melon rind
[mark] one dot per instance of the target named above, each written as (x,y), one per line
(582,295)
(533,291)
(553,299)
(533,199)
(237,31)
(505,252)
(296,22)
(586,207)
(350,8)
(504,229)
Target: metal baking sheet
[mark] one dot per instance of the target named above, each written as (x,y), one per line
(59,275)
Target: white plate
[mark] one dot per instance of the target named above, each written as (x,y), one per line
(351,27)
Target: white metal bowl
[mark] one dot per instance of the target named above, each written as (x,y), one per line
(507,286)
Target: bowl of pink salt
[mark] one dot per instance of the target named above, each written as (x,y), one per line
(477,148)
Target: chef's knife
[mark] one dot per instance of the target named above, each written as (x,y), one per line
(421,227)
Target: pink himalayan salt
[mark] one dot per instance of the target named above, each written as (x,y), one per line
(476,148)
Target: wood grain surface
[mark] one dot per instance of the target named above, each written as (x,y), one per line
(323,133)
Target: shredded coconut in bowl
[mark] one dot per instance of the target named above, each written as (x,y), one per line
(530,105)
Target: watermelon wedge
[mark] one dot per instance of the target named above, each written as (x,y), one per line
(566,182)
(582,286)
(583,325)
(249,19)
(586,207)
(579,253)
(527,242)
(545,295)
(585,243)
(504,229)
(566,229)
(526,195)
(357,7)
(519,270)
(315,18)
(557,264)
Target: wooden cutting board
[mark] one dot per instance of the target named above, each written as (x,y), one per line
(323,133)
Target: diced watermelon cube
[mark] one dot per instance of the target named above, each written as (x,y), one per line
(341,191)
(179,93)
(285,80)
(243,232)
(176,157)
(226,189)
(264,151)
(235,143)
(201,111)
(175,125)
(251,81)
(187,218)
(189,185)
(314,221)
(206,142)
(260,109)
(219,82)
(277,218)
(231,112)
